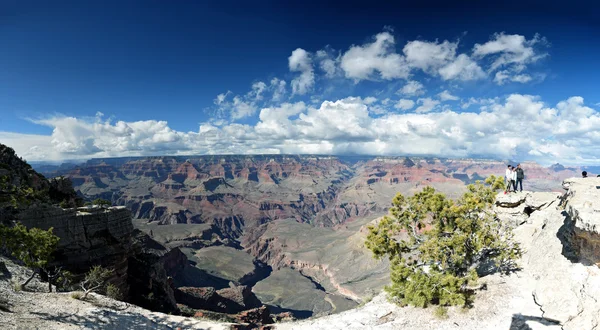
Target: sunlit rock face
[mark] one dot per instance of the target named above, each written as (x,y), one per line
(583,206)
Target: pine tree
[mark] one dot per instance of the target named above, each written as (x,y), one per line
(33,247)
(447,242)
(95,280)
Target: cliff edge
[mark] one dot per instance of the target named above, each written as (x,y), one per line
(557,287)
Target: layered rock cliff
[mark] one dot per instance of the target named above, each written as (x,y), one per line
(240,192)
(88,237)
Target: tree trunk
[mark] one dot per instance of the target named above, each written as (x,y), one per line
(29,279)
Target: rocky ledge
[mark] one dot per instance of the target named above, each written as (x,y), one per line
(583,207)
(557,286)
(230,300)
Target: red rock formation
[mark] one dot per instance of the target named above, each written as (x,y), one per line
(239,192)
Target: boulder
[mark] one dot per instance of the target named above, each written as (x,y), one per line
(516,208)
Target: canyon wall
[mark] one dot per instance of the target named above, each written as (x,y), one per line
(236,193)
(88,237)
(105,236)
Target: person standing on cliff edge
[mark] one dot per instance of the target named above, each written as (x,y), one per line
(507,177)
(520,177)
(513,178)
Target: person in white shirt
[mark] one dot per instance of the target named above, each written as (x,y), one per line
(507,179)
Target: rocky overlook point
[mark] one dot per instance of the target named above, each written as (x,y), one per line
(557,287)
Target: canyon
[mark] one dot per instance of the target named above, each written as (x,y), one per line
(266,221)
(557,285)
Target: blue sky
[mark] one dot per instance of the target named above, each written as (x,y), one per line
(81,79)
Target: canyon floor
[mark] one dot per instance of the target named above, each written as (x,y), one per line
(330,268)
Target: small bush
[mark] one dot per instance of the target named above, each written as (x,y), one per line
(149,296)
(77,295)
(65,281)
(365,301)
(102,202)
(95,280)
(441,312)
(15,285)
(112,291)
(186,310)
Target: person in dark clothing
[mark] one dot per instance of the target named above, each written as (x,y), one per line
(584,174)
(520,177)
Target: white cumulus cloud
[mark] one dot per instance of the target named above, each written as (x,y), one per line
(376,59)
(426,104)
(301,61)
(517,126)
(511,54)
(462,68)
(278,88)
(447,96)
(429,56)
(404,104)
(412,88)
